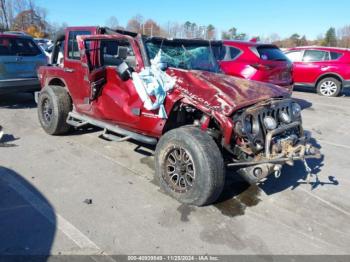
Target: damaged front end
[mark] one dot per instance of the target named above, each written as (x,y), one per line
(267,136)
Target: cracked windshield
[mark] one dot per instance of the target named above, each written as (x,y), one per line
(185,56)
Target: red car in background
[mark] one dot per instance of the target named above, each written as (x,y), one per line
(256,61)
(325,68)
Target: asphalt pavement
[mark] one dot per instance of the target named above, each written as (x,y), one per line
(80,194)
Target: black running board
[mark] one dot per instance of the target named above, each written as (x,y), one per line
(77,120)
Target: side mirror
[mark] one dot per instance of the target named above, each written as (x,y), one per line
(163,66)
(124,71)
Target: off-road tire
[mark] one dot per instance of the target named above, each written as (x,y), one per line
(332,82)
(56,98)
(207,161)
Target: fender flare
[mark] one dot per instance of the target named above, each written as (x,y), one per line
(48,80)
(329,74)
(225,123)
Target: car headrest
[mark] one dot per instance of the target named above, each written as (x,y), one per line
(122,52)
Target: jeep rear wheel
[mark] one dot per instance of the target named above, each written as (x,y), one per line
(329,87)
(54,104)
(190,166)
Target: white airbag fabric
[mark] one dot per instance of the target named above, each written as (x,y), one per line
(152,81)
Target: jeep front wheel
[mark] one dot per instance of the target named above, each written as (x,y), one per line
(54,104)
(190,166)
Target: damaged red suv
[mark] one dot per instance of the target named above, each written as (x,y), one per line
(255,61)
(172,94)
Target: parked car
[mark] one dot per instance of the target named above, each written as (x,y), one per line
(43,42)
(20,58)
(325,68)
(170,94)
(16,33)
(256,61)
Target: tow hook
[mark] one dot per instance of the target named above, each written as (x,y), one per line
(277,171)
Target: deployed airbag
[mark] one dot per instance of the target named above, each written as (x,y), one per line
(152,81)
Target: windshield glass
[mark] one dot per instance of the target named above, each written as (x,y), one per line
(184,55)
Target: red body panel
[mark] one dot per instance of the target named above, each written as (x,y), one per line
(309,73)
(74,73)
(249,65)
(216,95)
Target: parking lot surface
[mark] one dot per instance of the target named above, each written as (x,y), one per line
(80,194)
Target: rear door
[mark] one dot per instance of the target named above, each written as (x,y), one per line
(111,98)
(308,64)
(74,73)
(93,68)
(19,58)
(314,62)
(296,56)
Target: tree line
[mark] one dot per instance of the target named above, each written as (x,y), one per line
(332,37)
(27,16)
(150,27)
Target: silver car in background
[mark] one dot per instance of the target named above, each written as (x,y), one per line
(19,59)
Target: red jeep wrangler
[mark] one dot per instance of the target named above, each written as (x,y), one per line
(170,93)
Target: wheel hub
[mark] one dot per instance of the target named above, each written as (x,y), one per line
(328,88)
(47,111)
(179,170)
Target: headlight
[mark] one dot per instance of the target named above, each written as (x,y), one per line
(296,110)
(248,126)
(270,123)
(284,117)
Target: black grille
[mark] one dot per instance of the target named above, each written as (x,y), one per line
(274,112)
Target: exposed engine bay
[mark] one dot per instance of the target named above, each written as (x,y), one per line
(268,135)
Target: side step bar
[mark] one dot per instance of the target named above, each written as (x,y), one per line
(77,120)
(115,138)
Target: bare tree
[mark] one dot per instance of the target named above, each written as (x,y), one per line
(210,35)
(20,6)
(54,28)
(344,36)
(274,37)
(135,24)
(4,14)
(176,30)
(112,22)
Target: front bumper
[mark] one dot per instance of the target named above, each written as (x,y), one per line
(19,85)
(256,170)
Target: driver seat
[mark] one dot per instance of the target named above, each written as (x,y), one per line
(115,60)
